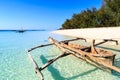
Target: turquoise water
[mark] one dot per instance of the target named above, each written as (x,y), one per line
(15,64)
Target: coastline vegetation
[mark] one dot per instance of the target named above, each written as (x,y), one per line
(107,16)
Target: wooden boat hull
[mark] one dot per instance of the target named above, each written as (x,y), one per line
(105,56)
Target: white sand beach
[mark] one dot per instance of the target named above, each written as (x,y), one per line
(92,33)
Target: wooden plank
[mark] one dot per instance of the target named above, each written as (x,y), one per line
(93,59)
(35,67)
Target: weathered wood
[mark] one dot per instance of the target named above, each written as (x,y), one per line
(35,67)
(88,56)
(104,41)
(94,45)
(93,50)
(64,53)
(84,58)
(94,59)
(39,47)
(74,54)
(101,53)
(116,41)
(65,41)
(81,54)
(106,56)
(53,60)
(38,70)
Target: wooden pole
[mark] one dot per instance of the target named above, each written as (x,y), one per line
(65,41)
(93,50)
(94,45)
(35,67)
(53,60)
(112,40)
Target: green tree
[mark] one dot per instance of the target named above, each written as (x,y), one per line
(108,15)
(113,6)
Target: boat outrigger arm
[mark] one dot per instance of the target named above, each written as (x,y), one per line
(67,50)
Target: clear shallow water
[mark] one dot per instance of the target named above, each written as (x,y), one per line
(15,64)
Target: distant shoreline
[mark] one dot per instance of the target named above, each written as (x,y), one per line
(24,30)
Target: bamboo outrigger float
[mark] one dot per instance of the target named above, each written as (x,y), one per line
(94,56)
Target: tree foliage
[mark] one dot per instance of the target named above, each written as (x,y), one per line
(108,15)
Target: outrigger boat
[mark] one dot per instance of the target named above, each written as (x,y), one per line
(95,56)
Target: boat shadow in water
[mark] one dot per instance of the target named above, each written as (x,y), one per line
(56,74)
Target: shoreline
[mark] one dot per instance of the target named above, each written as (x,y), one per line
(89,34)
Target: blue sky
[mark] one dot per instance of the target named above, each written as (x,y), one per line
(40,14)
